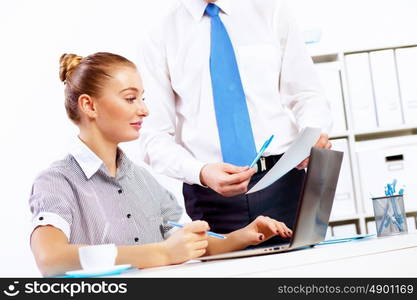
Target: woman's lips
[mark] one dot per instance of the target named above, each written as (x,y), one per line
(136,125)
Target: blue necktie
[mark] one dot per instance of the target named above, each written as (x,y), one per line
(232,116)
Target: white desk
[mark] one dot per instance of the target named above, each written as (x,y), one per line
(394,256)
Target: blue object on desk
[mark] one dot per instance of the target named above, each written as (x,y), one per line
(261,151)
(216,235)
(390,190)
(115,270)
(346,239)
(104,274)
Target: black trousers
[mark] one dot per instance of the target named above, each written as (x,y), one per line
(226,214)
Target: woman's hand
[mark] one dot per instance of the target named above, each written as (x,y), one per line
(187,243)
(262,229)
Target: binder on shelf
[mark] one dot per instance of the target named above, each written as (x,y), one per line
(344,200)
(381,161)
(407,74)
(329,75)
(360,91)
(371,227)
(386,91)
(411,224)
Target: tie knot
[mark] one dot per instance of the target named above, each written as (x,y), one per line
(212,10)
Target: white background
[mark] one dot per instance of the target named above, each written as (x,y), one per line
(34,129)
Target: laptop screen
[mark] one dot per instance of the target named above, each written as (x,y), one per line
(317,196)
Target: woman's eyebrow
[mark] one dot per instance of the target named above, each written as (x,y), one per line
(132,88)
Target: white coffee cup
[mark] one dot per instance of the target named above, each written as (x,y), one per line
(97,256)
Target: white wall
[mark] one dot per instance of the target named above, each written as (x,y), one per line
(34,129)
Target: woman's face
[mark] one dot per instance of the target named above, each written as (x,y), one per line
(120,108)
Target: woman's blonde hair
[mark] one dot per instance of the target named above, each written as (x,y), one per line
(86,75)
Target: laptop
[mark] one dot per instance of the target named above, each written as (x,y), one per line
(314,207)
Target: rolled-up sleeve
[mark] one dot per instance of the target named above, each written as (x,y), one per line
(51,201)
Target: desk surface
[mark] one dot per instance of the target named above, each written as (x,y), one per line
(394,256)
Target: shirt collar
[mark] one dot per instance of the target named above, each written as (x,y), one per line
(90,163)
(197,7)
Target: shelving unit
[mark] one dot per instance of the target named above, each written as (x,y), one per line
(359,217)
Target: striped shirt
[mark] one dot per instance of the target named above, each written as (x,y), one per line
(78,196)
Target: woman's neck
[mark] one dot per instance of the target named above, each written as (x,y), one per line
(104,149)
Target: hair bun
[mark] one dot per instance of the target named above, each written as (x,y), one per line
(67,64)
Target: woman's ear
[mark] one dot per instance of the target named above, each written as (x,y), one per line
(87,106)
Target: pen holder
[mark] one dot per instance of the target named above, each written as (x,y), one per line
(390,218)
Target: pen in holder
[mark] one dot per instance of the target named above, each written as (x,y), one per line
(390,218)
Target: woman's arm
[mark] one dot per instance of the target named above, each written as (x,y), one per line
(54,255)
(260,230)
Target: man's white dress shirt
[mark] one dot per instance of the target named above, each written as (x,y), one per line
(282,89)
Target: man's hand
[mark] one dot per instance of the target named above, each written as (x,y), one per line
(323,142)
(226,179)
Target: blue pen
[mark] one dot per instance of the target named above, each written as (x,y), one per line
(397,219)
(216,235)
(263,148)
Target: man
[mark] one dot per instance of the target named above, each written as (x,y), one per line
(221,77)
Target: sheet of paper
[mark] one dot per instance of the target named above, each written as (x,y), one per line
(346,239)
(298,151)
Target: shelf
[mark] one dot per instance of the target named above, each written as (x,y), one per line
(377,133)
(333,59)
(318,52)
(382,47)
(338,135)
(387,130)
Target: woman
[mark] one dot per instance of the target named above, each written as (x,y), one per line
(96,195)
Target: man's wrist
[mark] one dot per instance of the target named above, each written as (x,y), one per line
(202,181)
(191,169)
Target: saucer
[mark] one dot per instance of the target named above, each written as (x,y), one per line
(113,270)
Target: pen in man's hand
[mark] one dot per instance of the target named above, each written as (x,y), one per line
(263,148)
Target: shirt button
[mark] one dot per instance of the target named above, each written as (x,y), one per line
(119,191)
(40,218)
(128,215)
(136,239)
